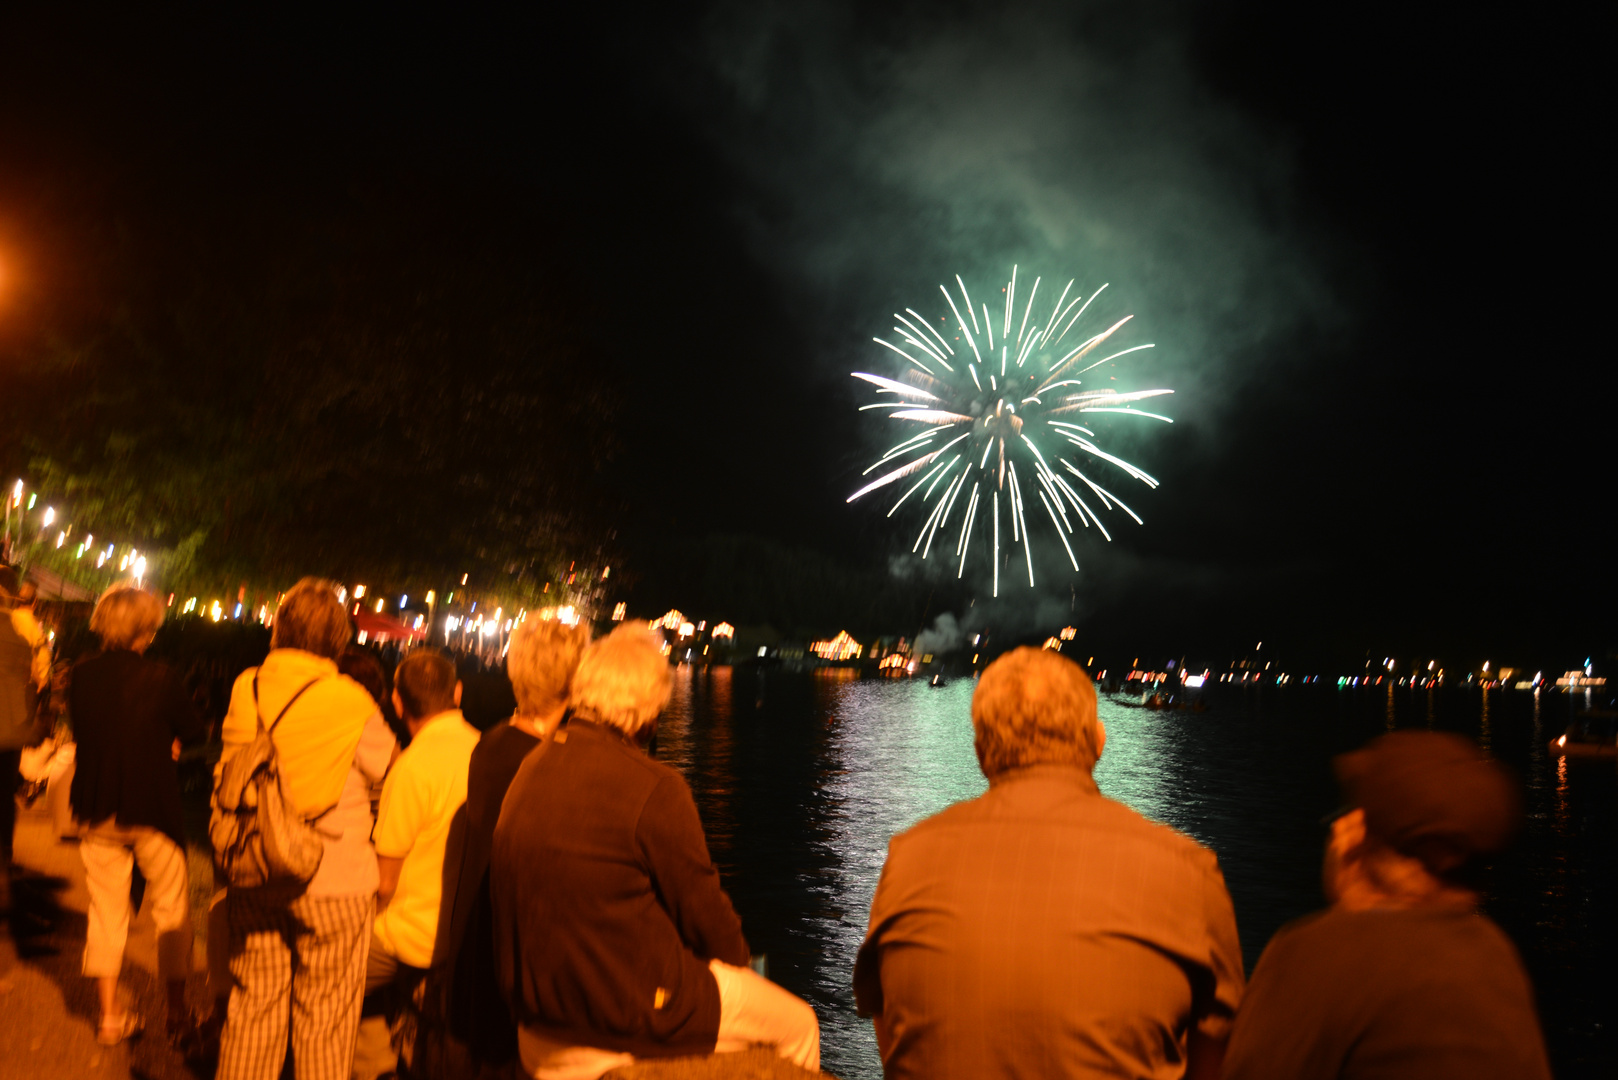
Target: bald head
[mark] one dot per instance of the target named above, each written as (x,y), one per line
(1035,707)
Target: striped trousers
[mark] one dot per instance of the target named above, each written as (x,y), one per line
(300,958)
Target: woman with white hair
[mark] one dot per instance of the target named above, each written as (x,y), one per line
(129,716)
(613,938)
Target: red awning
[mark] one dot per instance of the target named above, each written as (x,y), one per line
(379,628)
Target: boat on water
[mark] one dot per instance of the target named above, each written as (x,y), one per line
(1592,734)
(937,680)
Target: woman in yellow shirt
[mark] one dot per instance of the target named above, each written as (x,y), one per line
(301,950)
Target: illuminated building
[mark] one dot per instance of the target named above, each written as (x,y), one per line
(840,648)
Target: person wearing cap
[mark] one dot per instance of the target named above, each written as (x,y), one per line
(1402,976)
(1043,929)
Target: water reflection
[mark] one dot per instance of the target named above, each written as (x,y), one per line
(802,779)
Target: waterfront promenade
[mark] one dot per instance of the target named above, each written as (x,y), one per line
(48,1009)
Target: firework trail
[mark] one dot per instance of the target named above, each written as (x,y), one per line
(987,396)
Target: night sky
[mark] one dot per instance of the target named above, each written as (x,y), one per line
(1366,240)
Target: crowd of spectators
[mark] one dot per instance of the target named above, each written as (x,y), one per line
(538,898)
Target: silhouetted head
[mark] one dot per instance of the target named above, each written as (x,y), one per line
(424,685)
(623,681)
(311,618)
(1035,707)
(126,617)
(1426,808)
(540,661)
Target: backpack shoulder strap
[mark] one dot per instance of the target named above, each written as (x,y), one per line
(257,715)
(288,706)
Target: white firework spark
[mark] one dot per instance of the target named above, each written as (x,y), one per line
(993,403)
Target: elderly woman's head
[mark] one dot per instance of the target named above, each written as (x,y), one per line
(1034,707)
(126,617)
(311,618)
(622,681)
(540,662)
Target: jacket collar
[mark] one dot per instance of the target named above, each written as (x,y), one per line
(1068,775)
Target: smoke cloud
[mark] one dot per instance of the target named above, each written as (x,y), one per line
(886,153)
(944,636)
(1072,139)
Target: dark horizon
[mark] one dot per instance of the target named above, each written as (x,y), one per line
(538,283)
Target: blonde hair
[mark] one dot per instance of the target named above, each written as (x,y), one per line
(1034,707)
(311,619)
(126,617)
(622,680)
(541,660)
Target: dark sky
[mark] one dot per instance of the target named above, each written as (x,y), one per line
(1358,236)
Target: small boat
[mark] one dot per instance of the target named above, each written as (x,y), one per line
(1592,734)
(937,680)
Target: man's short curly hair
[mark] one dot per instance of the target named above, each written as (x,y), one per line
(1034,707)
(540,661)
(126,617)
(311,618)
(623,680)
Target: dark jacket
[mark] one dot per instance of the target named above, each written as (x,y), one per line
(127,711)
(473,1009)
(606,905)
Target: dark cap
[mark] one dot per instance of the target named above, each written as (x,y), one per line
(1433,796)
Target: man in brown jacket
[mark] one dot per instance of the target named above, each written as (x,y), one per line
(1043,929)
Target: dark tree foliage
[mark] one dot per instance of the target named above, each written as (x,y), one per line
(351,390)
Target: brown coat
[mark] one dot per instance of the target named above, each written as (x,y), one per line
(1043,930)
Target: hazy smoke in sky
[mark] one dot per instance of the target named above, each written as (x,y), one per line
(888,153)
(942,637)
(884,154)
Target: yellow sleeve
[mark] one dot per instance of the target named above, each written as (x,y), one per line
(241,725)
(28,628)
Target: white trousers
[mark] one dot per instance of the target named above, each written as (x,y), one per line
(753,1011)
(110,855)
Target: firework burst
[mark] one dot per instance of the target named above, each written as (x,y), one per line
(992,394)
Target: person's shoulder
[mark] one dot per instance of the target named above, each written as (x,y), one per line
(942,827)
(1303,933)
(503,740)
(243,685)
(160,670)
(345,693)
(89,663)
(1143,834)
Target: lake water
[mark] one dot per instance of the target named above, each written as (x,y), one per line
(802,778)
